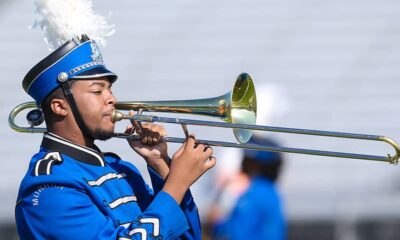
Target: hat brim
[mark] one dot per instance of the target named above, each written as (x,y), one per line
(96,72)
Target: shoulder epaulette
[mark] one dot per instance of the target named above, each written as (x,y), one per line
(44,165)
(111,154)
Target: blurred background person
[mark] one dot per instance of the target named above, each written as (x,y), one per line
(234,172)
(258,212)
(272,105)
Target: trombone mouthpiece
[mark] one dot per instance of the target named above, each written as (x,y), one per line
(116,116)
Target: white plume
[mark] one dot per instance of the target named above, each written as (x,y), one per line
(61,20)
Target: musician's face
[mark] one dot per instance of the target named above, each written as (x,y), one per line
(95,102)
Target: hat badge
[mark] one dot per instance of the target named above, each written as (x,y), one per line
(96,54)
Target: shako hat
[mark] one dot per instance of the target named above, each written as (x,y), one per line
(263,157)
(74,31)
(67,26)
(78,58)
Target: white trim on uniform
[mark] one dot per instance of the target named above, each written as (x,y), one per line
(155,222)
(49,167)
(122,200)
(81,148)
(142,231)
(55,157)
(105,178)
(37,167)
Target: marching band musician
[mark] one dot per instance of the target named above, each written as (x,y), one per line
(258,212)
(73,190)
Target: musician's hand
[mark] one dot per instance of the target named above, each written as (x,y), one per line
(150,147)
(188,164)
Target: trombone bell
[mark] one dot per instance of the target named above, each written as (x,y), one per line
(238,106)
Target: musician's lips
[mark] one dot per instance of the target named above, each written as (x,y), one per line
(108,115)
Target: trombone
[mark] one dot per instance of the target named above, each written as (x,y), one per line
(237,108)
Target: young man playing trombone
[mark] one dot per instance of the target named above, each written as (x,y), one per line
(73,190)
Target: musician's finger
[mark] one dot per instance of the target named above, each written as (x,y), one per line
(135,124)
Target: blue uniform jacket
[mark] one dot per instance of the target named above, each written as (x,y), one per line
(257,215)
(74,192)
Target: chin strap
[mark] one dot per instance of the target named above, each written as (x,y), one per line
(63,80)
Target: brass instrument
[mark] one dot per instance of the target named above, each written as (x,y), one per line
(237,108)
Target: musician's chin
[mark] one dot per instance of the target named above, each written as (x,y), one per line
(102,134)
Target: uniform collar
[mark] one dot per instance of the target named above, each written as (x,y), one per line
(80,153)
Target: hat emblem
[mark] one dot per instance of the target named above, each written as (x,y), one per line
(96,54)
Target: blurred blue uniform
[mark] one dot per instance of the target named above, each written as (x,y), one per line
(74,192)
(257,215)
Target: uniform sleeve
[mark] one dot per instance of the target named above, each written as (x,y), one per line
(187,205)
(68,213)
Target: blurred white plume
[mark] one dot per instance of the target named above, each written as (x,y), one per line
(63,20)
